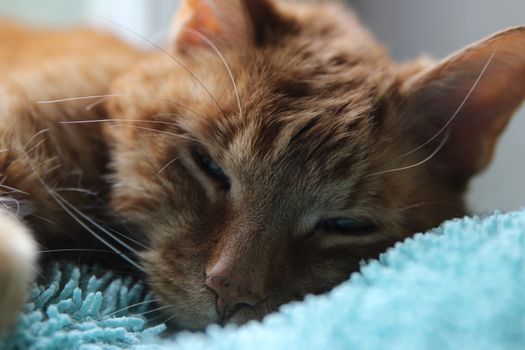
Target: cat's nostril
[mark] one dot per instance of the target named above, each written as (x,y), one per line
(231,296)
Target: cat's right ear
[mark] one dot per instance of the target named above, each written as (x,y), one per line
(465,102)
(202,24)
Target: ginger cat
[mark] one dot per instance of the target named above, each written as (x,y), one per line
(271,148)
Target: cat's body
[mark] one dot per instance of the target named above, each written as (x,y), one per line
(260,159)
(37,149)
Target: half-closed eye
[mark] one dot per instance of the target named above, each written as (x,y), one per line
(346,226)
(212,169)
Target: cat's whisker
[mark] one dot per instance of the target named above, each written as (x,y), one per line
(461,105)
(44,219)
(160,35)
(70,209)
(168,319)
(158,47)
(111,120)
(79,250)
(74,189)
(432,155)
(12,189)
(32,138)
(154,310)
(101,228)
(64,204)
(166,115)
(164,132)
(96,103)
(134,305)
(79,98)
(4,200)
(168,165)
(422,204)
(162,315)
(177,123)
(37,145)
(90,97)
(37,271)
(95,121)
(8,193)
(223,59)
(128,238)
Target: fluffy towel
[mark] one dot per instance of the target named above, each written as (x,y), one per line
(461,286)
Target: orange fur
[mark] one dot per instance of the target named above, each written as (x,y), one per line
(314,122)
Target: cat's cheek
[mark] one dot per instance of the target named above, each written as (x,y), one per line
(181,288)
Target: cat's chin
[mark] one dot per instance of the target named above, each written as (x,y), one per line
(196,322)
(200,320)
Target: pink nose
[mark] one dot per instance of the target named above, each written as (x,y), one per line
(231,292)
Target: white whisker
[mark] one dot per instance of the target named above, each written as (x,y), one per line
(134,305)
(36,146)
(154,310)
(168,165)
(44,219)
(422,204)
(128,238)
(95,121)
(97,103)
(221,56)
(12,189)
(67,207)
(462,104)
(101,228)
(73,250)
(164,132)
(64,204)
(169,319)
(79,98)
(158,47)
(160,35)
(436,151)
(74,189)
(34,137)
(4,201)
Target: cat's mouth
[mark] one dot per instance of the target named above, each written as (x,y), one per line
(225,312)
(238,314)
(228,313)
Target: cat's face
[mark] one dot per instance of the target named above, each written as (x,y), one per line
(256,188)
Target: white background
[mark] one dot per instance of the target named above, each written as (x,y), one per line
(408,27)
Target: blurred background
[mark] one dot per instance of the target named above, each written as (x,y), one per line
(407,27)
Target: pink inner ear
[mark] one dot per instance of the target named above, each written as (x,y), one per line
(201,22)
(195,16)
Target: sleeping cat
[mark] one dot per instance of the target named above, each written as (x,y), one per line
(260,158)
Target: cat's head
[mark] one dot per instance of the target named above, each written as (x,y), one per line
(275,146)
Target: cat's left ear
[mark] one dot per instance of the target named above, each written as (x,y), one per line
(226,23)
(470,97)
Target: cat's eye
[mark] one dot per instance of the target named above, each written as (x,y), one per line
(212,169)
(346,225)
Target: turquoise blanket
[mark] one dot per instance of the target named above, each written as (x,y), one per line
(461,286)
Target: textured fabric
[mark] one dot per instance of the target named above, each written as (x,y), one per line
(461,286)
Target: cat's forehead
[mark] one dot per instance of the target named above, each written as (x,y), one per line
(279,138)
(314,105)
(294,105)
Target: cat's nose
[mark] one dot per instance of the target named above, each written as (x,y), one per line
(232,291)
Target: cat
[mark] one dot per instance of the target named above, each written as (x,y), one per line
(260,158)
